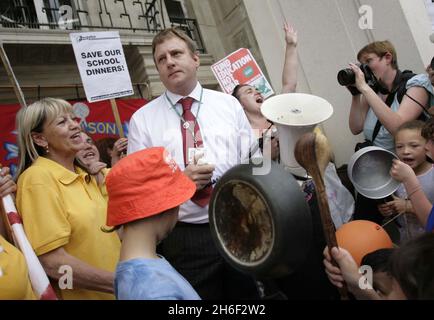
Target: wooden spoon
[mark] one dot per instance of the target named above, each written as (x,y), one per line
(313,153)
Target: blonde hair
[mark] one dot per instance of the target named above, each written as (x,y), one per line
(32,119)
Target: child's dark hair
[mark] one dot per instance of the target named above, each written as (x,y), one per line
(412,266)
(428,129)
(378,260)
(411,125)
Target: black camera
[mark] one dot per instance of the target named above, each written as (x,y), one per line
(347,77)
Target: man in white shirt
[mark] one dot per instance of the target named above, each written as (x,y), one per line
(225,139)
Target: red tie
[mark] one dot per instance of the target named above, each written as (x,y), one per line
(201,197)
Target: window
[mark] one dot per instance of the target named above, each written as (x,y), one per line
(174,9)
(52,9)
(18,14)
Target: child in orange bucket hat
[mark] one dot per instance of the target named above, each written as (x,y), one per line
(145,191)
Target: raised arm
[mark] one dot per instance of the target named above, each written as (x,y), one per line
(289,74)
(119,150)
(405,174)
(347,273)
(358,111)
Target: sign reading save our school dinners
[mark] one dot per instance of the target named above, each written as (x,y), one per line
(102,65)
(241,68)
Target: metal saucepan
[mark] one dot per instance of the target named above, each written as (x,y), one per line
(368,170)
(261,224)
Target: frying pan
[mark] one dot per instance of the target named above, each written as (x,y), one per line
(261,224)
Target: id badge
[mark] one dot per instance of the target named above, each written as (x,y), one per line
(192,152)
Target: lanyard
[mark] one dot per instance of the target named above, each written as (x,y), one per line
(185,124)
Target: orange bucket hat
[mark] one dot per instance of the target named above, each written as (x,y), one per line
(145,184)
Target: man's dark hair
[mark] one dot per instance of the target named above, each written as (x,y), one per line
(237,88)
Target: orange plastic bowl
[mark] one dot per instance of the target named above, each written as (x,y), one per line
(361,237)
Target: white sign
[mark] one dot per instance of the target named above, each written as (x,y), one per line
(102,65)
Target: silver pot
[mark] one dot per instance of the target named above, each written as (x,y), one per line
(368,170)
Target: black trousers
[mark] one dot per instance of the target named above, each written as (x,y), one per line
(191,251)
(367,209)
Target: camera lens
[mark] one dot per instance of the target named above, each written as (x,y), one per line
(346,77)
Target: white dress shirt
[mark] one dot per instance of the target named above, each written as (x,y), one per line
(226,133)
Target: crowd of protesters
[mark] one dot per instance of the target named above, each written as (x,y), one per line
(136,226)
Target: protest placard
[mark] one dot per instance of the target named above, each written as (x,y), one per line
(240,67)
(102,65)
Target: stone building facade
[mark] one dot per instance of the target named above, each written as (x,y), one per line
(36,40)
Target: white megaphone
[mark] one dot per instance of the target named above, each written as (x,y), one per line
(295,114)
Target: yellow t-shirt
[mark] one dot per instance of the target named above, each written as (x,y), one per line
(14,279)
(60,209)
(103,187)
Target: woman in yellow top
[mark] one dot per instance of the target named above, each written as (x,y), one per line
(14,279)
(63,209)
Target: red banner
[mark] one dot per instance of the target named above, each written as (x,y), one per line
(96,119)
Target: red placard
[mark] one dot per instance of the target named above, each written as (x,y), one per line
(240,67)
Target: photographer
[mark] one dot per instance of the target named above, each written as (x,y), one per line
(370,106)
(383,99)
